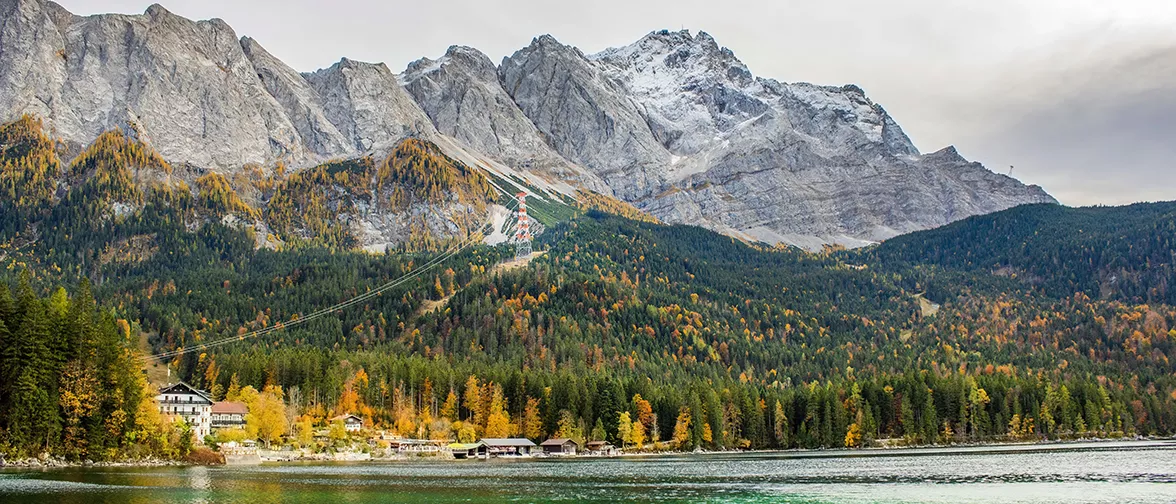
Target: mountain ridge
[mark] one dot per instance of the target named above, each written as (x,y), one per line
(674,123)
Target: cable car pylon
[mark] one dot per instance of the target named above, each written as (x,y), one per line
(522,229)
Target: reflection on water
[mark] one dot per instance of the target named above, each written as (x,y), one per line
(1096,473)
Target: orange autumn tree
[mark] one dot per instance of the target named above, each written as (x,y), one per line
(351,399)
(644,411)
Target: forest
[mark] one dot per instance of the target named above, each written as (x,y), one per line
(647,335)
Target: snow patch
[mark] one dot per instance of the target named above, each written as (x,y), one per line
(807,242)
(377,248)
(498,218)
(420,68)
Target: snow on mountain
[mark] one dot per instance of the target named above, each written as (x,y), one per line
(673,123)
(796,163)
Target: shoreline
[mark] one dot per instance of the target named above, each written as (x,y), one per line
(997,447)
(58,463)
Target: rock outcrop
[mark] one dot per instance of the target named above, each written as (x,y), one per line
(300,101)
(196,92)
(186,86)
(367,104)
(461,94)
(586,116)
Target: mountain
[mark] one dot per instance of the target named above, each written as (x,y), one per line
(186,86)
(461,94)
(195,91)
(673,124)
(585,116)
(796,163)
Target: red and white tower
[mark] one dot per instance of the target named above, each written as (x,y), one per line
(523,228)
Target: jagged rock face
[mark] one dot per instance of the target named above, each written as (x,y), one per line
(673,123)
(679,126)
(795,163)
(301,104)
(461,94)
(195,91)
(367,104)
(586,116)
(186,85)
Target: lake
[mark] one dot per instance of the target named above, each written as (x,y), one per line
(1143,472)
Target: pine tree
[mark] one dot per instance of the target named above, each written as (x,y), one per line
(7,305)
(910,429)
(598,432)
(6,383)
(81,323)
(930,419)
(32,425)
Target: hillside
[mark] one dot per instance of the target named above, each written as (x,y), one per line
(1125,253)
(415,197)
(713,342)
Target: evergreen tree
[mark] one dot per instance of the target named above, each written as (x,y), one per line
(930,419)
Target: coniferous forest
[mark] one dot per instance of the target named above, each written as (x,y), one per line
(1040,322)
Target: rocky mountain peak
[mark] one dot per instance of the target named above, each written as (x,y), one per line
(468,59)
(156,11)
(585,116)
(462,95)
(692,92)
(674,123)
(679,50)
(366,103)
(946,155)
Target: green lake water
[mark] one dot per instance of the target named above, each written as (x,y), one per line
(1138,472)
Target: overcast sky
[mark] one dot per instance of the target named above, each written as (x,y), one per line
(1078,95)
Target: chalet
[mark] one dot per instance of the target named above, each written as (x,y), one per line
(469,450)
(228,415)
(559,446)
(353,423)
(509,447)
(192,405)
(600,448)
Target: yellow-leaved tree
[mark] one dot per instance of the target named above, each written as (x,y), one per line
(449,408)
(532,424)
(266,419)
(637,435)
(625,429)
(498,421)
(682,428)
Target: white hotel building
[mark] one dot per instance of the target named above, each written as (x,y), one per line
(194,406)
